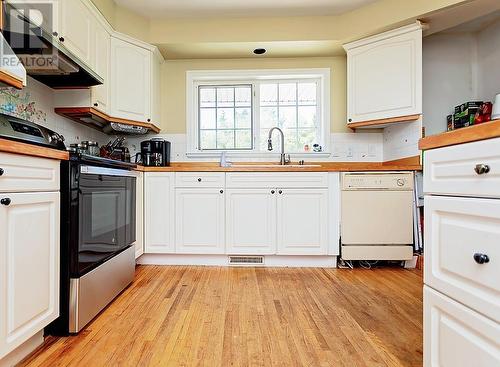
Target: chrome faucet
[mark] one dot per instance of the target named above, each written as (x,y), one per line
(284,159)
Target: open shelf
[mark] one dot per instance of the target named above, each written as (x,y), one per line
(375,124)
(486,130)
(99,120)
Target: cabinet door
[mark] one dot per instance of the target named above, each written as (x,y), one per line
(454,335)
(102,44)
(384,76)
(76,29)
(130,81)
(29,266)
(199,226)
(302,221)
(156,88)
(139,215)
(251,221)
(159,212)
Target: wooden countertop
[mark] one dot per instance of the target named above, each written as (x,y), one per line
(10,146)
(258,167)
(487,130)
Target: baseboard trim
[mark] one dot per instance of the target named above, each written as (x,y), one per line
(223,260)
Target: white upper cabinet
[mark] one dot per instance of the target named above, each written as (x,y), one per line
(29,266)
(251,221)
(76,23)
(302,221)
(384,75)
(131,78)
(157,61)
(101,52)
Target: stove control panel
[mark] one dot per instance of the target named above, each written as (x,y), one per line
(377,181)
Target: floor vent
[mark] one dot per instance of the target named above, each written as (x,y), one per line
(246,260)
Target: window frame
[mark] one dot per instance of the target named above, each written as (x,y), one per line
(194,79)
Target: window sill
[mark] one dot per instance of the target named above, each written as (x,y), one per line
(256,155)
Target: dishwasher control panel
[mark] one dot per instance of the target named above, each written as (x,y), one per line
(377,181)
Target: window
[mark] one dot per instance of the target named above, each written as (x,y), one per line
(225,117)
(234,110)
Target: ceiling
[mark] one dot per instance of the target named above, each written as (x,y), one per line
(237,8)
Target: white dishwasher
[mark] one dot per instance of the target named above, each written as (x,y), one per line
(377,216)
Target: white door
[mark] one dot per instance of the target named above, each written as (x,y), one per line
(454,335)
(384,76)
(302,221)
(29,266)
(159,214)
(102,44)
(139,215)
(199,221)
(76,28)
(251,221)
(130,81)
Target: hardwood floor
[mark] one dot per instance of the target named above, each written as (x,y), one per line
(212,316)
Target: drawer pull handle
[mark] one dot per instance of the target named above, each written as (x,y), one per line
(199,180)
(481,258)
(5,201)
(272,191)
(2,171)
(221,191)
(482,169)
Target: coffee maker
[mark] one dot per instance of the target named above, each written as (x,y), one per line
(155,152)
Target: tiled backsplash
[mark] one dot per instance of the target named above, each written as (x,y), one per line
(36,103)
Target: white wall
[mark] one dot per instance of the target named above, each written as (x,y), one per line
(488,59)
(448,77)
(458,67)
(36,103)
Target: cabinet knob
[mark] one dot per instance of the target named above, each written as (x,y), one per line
(272,191)
(481,169)
(1,171)
(221,191)
(55,34)
(5,201)
(199,179)
(96,104)
(61,39)
(350,120)
(149,120)
(481,258)
(280,192)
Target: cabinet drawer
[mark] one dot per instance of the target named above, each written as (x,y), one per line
(456,230)
(23,173)
(277,180)
(454,335)
(452,170)
(199,179)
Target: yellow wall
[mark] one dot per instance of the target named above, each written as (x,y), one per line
(174,85)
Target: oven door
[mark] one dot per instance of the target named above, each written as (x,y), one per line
(106,202)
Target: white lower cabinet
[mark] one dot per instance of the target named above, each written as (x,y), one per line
(29,265)
(159,212)
(199,221)
(455,335)
(302,221)
(251,221)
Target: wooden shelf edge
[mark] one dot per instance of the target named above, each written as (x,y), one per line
(381,122)
(486,130)
(10,146)
(10,80)
(74,113)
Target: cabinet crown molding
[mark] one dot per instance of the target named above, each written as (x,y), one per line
(417,26)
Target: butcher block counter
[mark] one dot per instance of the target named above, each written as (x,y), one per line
(9,146)
(402,165)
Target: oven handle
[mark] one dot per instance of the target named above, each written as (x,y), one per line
(93,170)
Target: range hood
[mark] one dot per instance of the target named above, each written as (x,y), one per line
(43,56)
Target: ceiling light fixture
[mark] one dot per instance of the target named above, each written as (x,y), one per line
(259,51)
